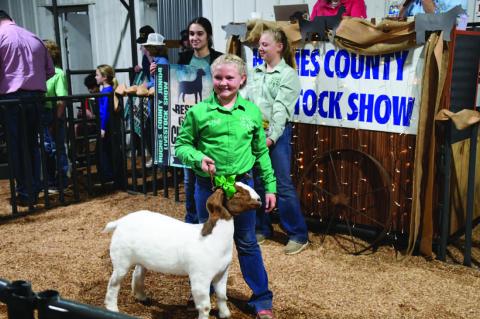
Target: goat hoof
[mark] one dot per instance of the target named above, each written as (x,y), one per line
(225,314)
(146,301)
(115,309)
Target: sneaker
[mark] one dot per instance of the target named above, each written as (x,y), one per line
(260,238)
(22,201)
(265,314)
(293,247)
(53,190)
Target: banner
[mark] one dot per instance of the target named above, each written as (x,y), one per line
(344,89)
(188,86)
(160,120)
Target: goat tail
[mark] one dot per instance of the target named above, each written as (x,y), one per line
(110,227)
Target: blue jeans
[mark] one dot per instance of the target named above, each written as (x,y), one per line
(189,185)
(29,154)
(54,144)
(291,217)
(249,253)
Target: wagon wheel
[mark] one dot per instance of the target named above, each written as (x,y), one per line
(348,189)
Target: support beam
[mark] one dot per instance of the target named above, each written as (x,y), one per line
(56,24)
(133,33)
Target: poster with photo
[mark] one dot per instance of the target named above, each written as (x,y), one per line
(178,88)
(188,85)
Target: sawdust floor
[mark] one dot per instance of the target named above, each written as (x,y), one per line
(63,249)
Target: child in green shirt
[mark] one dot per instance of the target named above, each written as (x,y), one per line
(223,135)
(54,121)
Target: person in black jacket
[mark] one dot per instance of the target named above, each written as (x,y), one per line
(201,55)
(200,37)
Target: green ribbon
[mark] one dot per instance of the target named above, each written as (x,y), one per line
(227,183)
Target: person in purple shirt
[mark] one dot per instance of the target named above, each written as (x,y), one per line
(25,66)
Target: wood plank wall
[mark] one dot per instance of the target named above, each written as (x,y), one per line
(358,171)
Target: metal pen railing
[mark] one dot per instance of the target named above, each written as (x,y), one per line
(82,138)
(22,303)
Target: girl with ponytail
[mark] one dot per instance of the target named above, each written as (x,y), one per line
(274,87)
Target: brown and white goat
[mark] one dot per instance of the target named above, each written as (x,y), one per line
(160,243)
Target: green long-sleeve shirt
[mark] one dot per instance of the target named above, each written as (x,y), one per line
(275,93)
(233,138)
(56,86)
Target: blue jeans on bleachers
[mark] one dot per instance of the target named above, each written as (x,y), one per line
(249,253)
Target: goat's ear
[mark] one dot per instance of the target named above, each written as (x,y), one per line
(216,210)
(241,201)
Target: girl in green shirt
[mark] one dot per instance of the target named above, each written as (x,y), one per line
(223,135)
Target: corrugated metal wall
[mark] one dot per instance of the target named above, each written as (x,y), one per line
(174,16)
(22,11)
(109,25)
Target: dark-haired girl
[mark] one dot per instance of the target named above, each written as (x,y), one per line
(201,56)
(200,37)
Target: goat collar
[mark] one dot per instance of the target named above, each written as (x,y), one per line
(227,183)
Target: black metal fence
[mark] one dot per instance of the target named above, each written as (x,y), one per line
(23,303)
(451,136)
(83,144)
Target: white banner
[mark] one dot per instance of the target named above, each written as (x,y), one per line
(344,89)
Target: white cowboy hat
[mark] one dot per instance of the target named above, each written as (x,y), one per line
(154,39)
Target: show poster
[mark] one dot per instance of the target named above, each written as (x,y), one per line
(344,89)
(161,120)
(180,87)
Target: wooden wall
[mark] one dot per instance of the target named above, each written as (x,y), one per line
(373,170)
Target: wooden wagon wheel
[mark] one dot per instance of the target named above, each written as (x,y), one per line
(350,190)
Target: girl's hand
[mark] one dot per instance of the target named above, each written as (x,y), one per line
(153,67)
(60,109)
(270,202)
(102,133)
(269,142)
(208,165)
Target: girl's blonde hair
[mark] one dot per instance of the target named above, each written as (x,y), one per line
(231,59)
(279,36)
(108,72)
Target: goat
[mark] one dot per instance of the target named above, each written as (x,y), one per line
(192,87)
(160,243)
(319,25)
(444,21)
(235,29)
